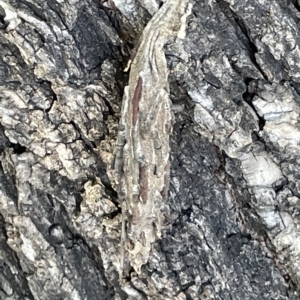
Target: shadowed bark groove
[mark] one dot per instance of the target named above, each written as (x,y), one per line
(178,179)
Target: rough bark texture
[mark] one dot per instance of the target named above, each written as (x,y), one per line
(231,218)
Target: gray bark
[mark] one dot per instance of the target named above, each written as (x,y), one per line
(231,219)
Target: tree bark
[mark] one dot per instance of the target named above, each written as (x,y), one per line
(230,208)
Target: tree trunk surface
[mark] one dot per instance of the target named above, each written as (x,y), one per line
(227,71)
